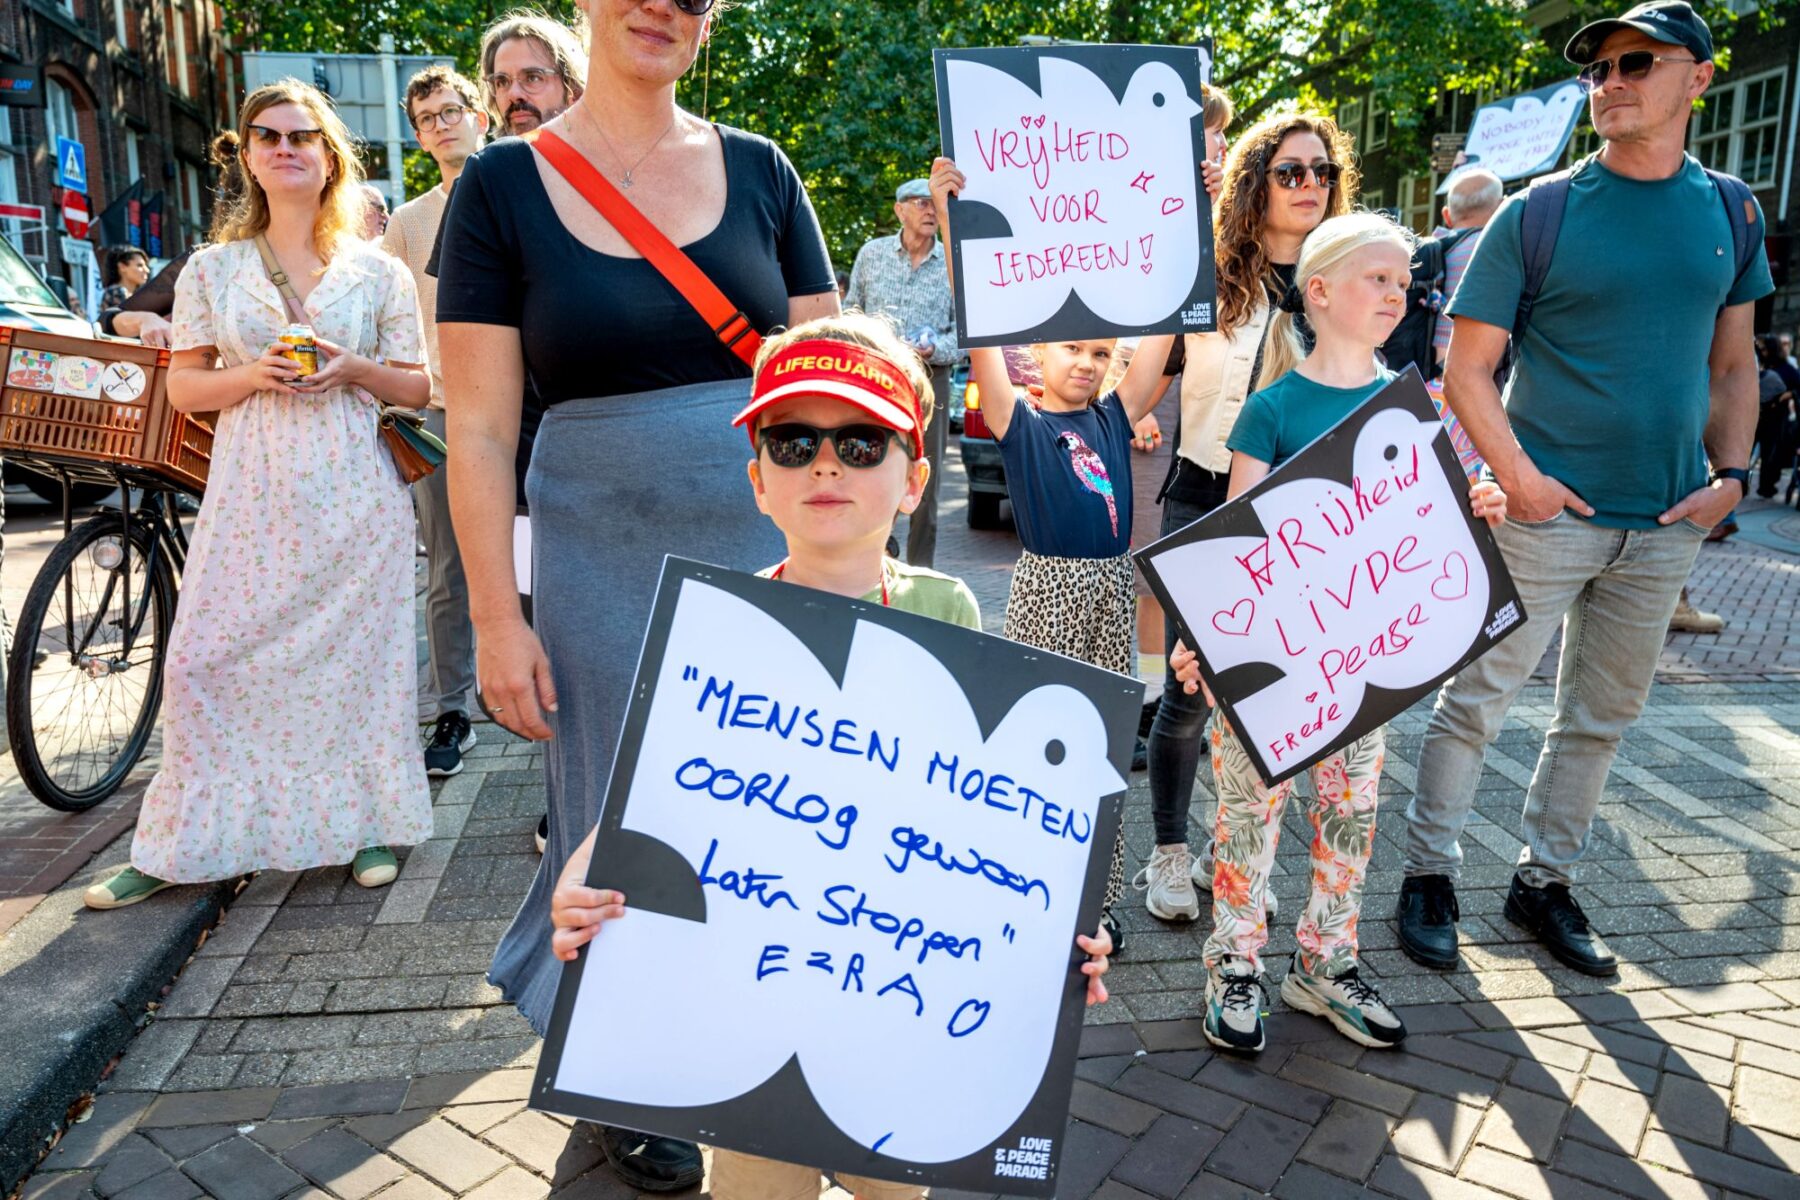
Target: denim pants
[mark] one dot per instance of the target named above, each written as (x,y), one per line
(1614,591)
(1174,745)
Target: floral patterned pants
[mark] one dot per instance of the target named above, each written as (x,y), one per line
(1249,825)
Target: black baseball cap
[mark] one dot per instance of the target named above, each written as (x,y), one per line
(1671,21)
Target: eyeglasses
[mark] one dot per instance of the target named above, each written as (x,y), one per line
(299,139)
(448,116)
(1633,65)
(792,444)
(694,8)
(531,80)
(919,201)
(1292,175)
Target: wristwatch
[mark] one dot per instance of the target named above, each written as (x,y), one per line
(1738,473)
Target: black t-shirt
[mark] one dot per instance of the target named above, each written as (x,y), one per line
(595,324)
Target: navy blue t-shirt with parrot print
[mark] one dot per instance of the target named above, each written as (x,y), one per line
(1069,477)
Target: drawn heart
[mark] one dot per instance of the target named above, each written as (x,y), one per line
(1144,267)
(1173,204)
(1229,617)
(1453,584)
(1025,122)
(1039,122)
(1423,509)
(1311,696)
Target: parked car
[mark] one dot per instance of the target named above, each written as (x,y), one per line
(26,302)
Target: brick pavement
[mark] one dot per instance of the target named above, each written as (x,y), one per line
(329,1041)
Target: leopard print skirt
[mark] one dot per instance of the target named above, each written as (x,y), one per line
(1084,608)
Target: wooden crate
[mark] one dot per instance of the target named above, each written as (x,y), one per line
(87,406)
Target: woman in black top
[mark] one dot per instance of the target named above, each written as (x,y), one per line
(635,456)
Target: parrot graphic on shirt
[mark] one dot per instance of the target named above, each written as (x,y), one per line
(1091,471)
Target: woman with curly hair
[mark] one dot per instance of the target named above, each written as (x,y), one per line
(289,713)
(1284,176)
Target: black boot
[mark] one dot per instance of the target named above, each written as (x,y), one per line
(1428,914)
(1552,914)
(648,1162)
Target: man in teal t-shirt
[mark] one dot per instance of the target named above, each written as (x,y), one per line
(1604,445)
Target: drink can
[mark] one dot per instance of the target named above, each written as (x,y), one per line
(302,349)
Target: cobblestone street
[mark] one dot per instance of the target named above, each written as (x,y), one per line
(327,1040)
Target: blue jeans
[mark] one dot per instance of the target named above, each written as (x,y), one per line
(1613,590)
(1175,744)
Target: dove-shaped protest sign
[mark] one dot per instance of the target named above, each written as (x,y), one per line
(1347,584)
(1084,214)
(1524,135)
(858,845)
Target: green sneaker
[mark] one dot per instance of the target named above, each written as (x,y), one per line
(374,866)
(1348,1001)
(126,888)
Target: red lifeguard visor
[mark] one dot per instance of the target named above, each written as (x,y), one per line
(855,374)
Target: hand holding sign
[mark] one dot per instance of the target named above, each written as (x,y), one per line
(1344,586)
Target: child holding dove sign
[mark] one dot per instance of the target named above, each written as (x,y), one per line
(1068,472)
(1350,283)
(831,399)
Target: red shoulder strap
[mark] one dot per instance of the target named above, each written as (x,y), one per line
(727,320)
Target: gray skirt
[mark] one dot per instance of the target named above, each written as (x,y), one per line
(615,484)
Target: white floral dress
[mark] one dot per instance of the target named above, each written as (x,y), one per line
(288,707)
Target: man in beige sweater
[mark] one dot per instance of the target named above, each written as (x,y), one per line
(446,111)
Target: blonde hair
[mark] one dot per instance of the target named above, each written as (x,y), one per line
(1241,263)
(1324,253)
(1115,370)
(869,332)
(1216,110)
(567,49)
(340,219)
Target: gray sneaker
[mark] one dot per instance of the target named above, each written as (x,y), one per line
(1167,884)
(1348,1001)
(1234,1007)
(1202,876)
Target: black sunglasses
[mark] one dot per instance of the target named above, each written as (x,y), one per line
(694,8)
(1633,65)
(299,139)
(791,444)
(1291,175)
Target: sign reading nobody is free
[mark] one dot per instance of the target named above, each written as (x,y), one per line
(1346,585)
(857,845)
(1084,213)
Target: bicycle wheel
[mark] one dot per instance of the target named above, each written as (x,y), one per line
(85,674)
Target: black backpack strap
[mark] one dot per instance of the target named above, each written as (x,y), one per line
(1745,219)
(1540,223)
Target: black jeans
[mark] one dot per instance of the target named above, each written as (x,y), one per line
(1777,453)
(1175,744)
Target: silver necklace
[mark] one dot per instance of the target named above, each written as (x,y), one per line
(625,180)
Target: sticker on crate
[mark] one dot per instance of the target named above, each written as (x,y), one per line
(35,369)
(122,381)
(78,376)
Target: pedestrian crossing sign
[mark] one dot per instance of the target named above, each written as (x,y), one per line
(71,165)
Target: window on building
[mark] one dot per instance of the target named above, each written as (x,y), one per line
(1418,194)
(1350,119)
(1739,128)
(134,160)
(122,24)
(178,58)
(1378,124)
(193,218)
(1376,200)
(9,180)
(59,112)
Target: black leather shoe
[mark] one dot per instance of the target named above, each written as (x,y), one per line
(1552,914)
(651,1163)
(1427,913)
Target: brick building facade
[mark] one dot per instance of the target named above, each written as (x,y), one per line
(143,85)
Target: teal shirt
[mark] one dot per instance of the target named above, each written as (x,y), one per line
(1610,393)
(1293,412)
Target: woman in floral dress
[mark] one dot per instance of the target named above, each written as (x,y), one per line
(289,712)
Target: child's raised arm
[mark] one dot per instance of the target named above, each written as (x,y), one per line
(987,364)
(1138,391)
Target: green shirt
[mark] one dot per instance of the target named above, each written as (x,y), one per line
(1611,391)
(1293,412)
(925,592)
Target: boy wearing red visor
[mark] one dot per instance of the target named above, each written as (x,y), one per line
(833,401)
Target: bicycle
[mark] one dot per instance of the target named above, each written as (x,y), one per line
(85,673)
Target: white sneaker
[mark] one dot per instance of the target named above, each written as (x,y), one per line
(1234,1007)
(1167,886)
(1349,1002)
(1202,878)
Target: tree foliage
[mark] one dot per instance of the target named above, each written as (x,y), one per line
(846,86)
